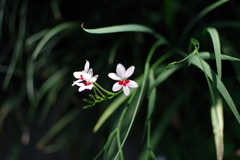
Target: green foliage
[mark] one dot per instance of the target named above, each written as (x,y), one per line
(186,58)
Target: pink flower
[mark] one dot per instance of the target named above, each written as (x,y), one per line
(122,76)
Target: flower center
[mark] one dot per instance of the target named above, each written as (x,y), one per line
(124,83)
(86,83)
(81,77)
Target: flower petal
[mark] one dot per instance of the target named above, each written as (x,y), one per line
(129,71)
(132,84)
(114,76)
(86,67)
(90,72)
(76,82)
(116,87)
(87,76)
(77,74)
(94,79)
(89,87)
(121,71)
(82,87)
(126,90)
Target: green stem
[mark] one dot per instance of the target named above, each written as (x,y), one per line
(118,134)
(130,126)
(146,72)
(97,85)
(94,90)
(148,138)
(99,92)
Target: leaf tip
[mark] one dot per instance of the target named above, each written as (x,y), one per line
(82,25)
(39,146)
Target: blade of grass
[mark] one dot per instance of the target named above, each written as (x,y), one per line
(13,17)
(31,66)
(59,125)
(217,123)
(109,111)
(56,147)
(143,87)
(2,6)
(198,17)
(58,75)
(18,45)
(163,76)
(152,96)
(217,49)
(149,148)
(112,107)
(34,38)
(55,9)
(51,99)
(218,83)
(118,134)
(124,28)
(207,55)
(107,145)
(162,124)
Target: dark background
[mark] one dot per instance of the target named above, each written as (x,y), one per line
(187,136)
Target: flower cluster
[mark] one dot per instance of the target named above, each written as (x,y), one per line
(86,80)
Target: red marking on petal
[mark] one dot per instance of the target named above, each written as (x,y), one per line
(86,83)
(120,82)
(81,77)
(124,83)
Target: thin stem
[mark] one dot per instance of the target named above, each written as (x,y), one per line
(118,134)
(130,126)
(99,91)
(148,137)
(94,90)
(146,72)
(97,85)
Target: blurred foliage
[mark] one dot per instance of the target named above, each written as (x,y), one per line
(42,44)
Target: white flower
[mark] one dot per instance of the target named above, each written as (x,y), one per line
(79,75)
(122,76)
(86,78)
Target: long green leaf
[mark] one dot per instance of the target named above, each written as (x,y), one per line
(119,134)
(109,111)
(143,87)
(18,45)
(163,76)
(2,6)
(152,96)
(217,49)
(31,65)
(60,124)
(220,86)
(58,75)
(198,17)
(107,145)
(208,55)
(112,107)
(218,125)
(124,28)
